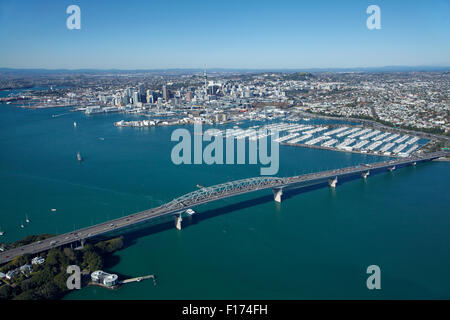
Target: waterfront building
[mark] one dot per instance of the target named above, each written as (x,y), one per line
(104,278)
(93,110)
(110,280)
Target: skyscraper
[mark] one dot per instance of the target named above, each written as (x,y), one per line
(142,96)
(141,89)
(135,97)
(166,93)
(206,85)
(149,96)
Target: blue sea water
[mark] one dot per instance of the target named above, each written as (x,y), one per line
(316,244)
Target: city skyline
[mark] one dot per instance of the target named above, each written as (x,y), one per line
(232,35)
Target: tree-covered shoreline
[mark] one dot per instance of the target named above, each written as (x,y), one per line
(48,280)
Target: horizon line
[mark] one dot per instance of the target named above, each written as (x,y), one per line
(228,68)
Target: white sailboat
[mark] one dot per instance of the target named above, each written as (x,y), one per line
(1,232)
(74,124)
(26,219)
(22,226)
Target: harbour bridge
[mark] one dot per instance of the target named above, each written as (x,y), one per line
(178,206)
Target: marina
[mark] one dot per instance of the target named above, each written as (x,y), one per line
(340,138)
(358,140)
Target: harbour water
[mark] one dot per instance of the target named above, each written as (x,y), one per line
(315,244)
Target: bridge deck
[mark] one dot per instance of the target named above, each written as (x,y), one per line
(203,196)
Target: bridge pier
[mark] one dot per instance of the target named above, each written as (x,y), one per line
(332,182)
(277,193)
(178,220)
(365,174)
(82,243)
(391,168)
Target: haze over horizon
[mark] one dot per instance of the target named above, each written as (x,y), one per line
(176,34)
(398,68)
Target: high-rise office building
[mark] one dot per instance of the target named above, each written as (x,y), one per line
(135,97)
(149,96)
(166,93)
(212,89)
(142,95)
(151,99)
(128,93)
(141,89)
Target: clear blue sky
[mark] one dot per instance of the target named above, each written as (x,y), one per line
(152,34)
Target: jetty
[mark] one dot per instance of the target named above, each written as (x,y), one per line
(139,279)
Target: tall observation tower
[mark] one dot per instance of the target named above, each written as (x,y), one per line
(206,84)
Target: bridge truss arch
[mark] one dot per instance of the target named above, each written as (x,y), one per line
(223,189)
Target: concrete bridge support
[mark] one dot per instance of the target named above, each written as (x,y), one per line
(365,174)
(391,168)
(178,220)
(333,182)
(277,193)
(81,246)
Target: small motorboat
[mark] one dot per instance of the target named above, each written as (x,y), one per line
(190,212)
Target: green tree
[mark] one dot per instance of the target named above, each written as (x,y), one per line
(26,295)
(5,292)
(70,254)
